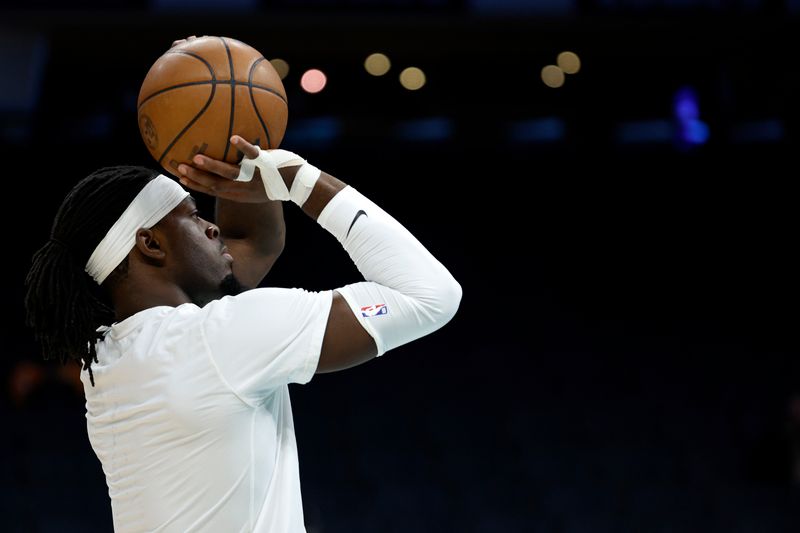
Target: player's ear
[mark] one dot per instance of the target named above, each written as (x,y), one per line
(147,243)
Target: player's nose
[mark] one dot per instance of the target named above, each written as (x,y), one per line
(212,232)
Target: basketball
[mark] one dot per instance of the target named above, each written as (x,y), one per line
(199,93)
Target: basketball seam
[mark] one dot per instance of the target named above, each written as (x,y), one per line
(190,54)
(233,98)
(171,87)
(200,113)
(213,82)
(267,89)
(253,99)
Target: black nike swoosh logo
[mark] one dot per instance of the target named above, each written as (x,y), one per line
(360,212)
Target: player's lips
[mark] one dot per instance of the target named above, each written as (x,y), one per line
(225,254)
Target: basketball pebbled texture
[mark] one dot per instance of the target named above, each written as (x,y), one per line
(201,92)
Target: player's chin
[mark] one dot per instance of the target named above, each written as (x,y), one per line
(231,286)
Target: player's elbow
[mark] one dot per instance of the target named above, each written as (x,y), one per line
(446,300)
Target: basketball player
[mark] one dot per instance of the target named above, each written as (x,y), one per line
(185,370)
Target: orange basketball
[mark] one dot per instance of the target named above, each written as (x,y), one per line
(201,92)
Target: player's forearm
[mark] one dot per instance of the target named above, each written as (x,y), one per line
(260,224)
(324,190)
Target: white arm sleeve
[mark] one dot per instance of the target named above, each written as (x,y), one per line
(408,293)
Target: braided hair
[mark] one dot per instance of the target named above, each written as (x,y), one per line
(64,304)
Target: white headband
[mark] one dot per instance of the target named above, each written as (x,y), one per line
(159,197)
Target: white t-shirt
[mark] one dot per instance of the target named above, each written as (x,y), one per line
(190,413)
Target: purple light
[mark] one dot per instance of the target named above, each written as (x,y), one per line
(690,131)
(686,106)
(694,131)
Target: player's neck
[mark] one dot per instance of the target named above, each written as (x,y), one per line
(131,297)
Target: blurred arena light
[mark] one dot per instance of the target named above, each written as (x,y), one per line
(686,105)
(377,64)
(569,62)
(645,131)
(428,129)
(317,132)
(281,67)
(539,130)
(553,76)
(313,81)
(758,131)
(691,131)
(412,78)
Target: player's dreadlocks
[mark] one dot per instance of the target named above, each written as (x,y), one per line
(64,304)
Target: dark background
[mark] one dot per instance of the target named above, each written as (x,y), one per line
(624,358)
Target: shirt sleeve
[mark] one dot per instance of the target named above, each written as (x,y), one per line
(265,338)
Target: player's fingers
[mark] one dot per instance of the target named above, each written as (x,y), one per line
(181,41)
(195,186)
(205,179)
(223,189)
(220,168)
(245,147)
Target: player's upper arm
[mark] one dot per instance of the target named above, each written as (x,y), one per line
(346,343)
(252,264)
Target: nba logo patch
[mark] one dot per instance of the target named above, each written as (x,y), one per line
(374,310)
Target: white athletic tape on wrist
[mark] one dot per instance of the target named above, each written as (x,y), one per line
(160,196)
(268,162)
(303,183)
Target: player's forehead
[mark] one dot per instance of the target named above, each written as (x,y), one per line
(183,209)
(188,204)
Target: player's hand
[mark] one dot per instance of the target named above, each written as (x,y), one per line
(181,41)
(217,178)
